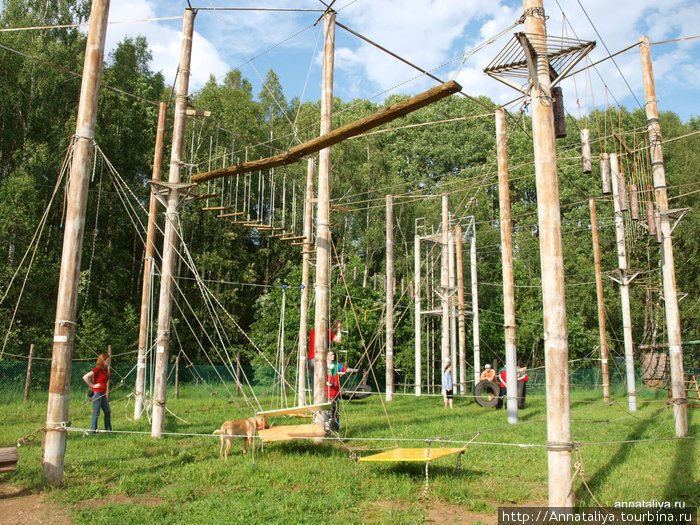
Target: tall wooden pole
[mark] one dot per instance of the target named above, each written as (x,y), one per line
(552,262)
(507,263)
(64,327)
(444,289)
(389,297)
(601,304)
(624,281)
(323,233)
(305,270)
(452,299)
(461,317)
(417,318)
(28,379)
(148,266)
(170,240)
(668,269)
(475,308)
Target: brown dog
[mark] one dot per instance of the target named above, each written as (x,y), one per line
(244,428)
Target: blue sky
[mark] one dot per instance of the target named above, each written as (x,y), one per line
(429,33)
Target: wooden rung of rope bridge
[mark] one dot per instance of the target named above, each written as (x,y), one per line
(338,135)
(295,238)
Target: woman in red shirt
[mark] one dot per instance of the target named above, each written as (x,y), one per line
(97,379)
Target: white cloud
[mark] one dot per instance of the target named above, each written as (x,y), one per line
(164,40)
(427,33)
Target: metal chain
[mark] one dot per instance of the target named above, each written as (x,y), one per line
(427,465)
(26,440)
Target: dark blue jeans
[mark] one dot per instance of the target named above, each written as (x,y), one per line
(100,400)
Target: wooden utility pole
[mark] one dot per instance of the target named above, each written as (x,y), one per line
(323,232)
(389,297)
(668,269)
(417,308)
(170,240)
(305,266)
(601,304)
(507,263)
(28,379)
(148,266)
(64,328)
(556,348)
(453,317)
(444,289)
(624,281)
(461,317)
(475,308)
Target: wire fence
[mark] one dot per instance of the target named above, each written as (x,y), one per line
(263,379)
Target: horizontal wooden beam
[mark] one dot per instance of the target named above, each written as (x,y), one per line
(337,135)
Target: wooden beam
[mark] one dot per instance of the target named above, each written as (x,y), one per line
(295,238)
(337,135)
(217,208)
(233,214)
(8,459)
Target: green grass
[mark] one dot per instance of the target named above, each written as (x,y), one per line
(132,478)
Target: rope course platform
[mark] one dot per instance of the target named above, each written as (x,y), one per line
(413,454)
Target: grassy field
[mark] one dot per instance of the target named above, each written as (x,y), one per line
(132,478)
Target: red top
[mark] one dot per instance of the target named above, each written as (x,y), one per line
(312,343)
(502,377)
(333,380)
(100,376)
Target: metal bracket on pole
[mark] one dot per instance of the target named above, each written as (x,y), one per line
(160,189)
(624,278)
(677,214)
(518,60)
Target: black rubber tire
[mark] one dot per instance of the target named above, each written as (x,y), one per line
(484,387)
(359,392)
(522,389)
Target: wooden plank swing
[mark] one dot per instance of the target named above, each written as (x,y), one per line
(289,432)
(8,459)
(413,454)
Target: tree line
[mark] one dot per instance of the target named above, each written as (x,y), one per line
(245,267)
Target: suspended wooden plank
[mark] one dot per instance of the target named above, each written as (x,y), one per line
(203,197)
(337,135)
(217,208)
(287,432)
(413,454)
(295,238)
(8,459)
(634,202)
(232,214)
(586,163)
(291,411)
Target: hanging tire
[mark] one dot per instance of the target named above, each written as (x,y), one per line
(522,389)
(359,392)
(486,393)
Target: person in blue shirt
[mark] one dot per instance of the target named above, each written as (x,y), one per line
(447,385)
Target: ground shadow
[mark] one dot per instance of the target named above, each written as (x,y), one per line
(681,485)
(596,482)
